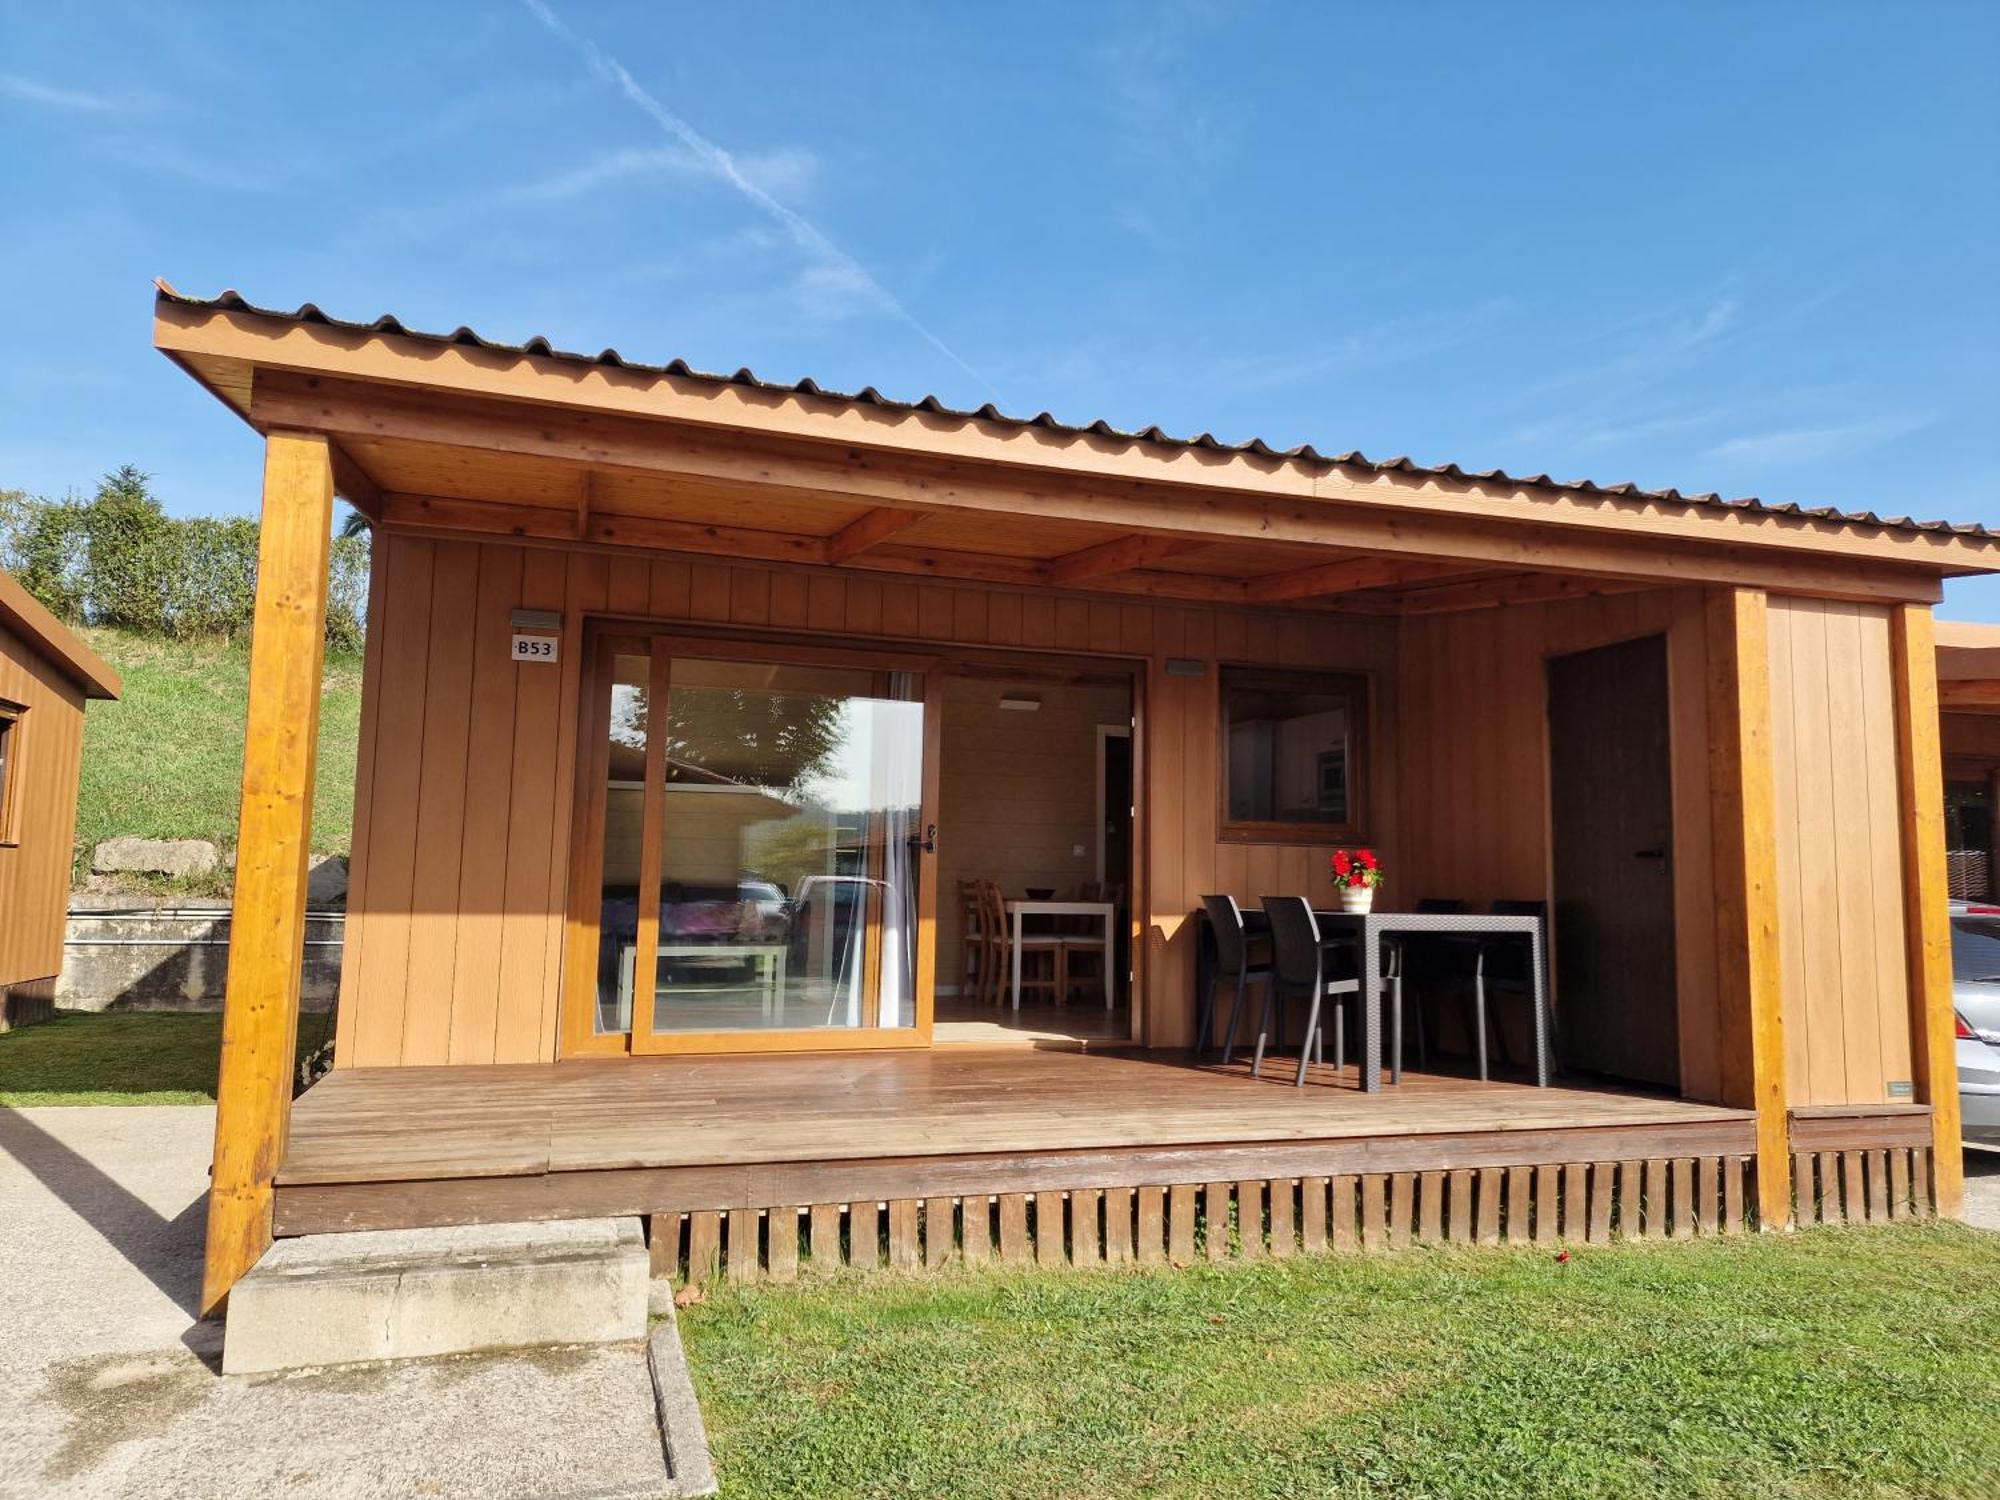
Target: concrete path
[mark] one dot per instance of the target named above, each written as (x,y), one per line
(1982,1189)
(107,1386)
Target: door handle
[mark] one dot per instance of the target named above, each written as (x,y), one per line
(1649,854)
(929,841)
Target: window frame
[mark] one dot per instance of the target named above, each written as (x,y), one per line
(1359,687)
(13,719)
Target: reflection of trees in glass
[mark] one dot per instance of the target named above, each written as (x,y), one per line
(777,741)
(785,852)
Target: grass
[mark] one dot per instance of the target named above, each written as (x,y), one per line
(166,760)
(1836,1362)
(119,1057)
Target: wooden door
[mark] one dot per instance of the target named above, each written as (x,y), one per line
(754,867)
(1611,801)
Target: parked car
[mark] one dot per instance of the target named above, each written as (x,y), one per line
(1975,968)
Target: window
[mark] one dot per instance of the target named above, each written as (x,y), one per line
(1294,751)
(10,756)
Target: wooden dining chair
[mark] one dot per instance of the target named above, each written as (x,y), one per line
(975,964)
(1041,953)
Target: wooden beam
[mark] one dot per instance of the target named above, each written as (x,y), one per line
(1347,576)
(1120,555)
(867,531)
(260,1016)
(1973,695)
(437,515)
(1926,895)
(1101,460)
(1743,812)
(348,408)
(352,483)
(1521,588)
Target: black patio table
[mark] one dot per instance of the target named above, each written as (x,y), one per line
(1366,929)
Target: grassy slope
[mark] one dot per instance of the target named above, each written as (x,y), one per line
(124,1057)
(1827,1363)
(166,760)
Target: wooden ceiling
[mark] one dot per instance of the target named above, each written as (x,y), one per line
(433,486)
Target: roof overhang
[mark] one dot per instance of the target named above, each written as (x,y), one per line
(569,447)
(23,615)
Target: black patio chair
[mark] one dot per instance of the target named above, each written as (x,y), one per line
(1506,967)
(1427,961)
(1306,966)
(1241,957)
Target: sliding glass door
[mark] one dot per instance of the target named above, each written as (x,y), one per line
(755,850)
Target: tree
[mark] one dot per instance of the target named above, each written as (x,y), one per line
(132,554)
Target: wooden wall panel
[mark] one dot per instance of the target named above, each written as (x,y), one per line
(455,925)
(34,870)
(1474,792)
(1841,928)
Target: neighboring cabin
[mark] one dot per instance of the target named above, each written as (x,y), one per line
(47,675)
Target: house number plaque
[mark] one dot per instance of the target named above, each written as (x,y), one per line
(535,647)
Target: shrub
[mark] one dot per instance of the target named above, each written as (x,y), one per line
(118,559)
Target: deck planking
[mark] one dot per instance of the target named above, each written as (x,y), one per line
(363,1125)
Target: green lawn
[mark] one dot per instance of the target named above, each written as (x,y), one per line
(166,760)
(1830,1363)
(121,1057)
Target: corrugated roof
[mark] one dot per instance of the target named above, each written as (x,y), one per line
(540,348)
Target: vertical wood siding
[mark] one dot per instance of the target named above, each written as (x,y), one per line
(466,773)
(34,871)
(1840,929)
(1474,768)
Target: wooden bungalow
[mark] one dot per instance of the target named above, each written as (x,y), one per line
(1969,700)
(47,675)
(638,629)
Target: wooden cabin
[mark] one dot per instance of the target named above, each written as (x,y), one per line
(1968,659)
(47,675)
(753,688)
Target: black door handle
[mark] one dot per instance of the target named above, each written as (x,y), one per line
(929,843)
(1649,854)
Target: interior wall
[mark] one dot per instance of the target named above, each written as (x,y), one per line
(1840,927)
(1474,777)
(1017,793)
(456,930)
(34,870)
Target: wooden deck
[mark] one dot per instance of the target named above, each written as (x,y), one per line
(374,1147)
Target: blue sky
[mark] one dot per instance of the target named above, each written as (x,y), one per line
(1748,249)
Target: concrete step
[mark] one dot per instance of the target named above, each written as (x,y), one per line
(331,1299)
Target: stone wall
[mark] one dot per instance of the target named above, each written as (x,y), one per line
(143,957)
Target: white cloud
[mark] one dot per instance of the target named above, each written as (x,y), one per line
(806,235)
(788,169)
(1807,444)
(48,95)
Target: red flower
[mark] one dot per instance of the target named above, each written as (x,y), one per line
(1368,858)
(1341,863)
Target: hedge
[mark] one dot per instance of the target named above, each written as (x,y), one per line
(119,559)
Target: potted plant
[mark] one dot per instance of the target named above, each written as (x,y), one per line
(1356,874)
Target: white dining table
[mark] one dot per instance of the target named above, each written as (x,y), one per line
(1106,911)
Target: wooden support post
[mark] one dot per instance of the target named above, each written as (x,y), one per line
(1743,801)
(260,1016)
(1926,919)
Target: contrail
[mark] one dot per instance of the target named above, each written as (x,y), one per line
(803,232)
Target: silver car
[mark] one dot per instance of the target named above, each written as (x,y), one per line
(1975,968)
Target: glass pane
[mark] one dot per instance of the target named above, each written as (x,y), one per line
(788,861)
(1290,755)
(624,821)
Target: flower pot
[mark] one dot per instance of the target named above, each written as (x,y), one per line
(1357,897)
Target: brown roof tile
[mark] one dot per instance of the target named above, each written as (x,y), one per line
(539,347)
